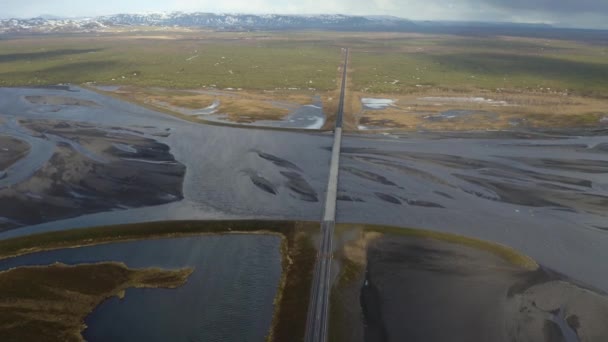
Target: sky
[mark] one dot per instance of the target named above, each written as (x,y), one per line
(568,13)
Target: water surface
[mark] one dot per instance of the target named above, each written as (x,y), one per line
(229,297)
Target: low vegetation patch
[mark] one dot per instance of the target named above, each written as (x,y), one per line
(50,303)
(188,60)
(525,82)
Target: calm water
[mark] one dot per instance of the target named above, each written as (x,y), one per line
(229,297)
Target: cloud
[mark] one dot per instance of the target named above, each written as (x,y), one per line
(553,6)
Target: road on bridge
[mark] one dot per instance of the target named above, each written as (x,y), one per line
(317,321)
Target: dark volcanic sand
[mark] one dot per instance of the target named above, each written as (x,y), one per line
(59,101)
(415,289)
(542,193)
(92,169)
(231,172)
(11,151)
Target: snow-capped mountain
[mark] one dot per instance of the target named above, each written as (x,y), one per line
(42,25)
(207,20)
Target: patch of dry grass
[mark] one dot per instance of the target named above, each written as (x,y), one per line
(50,303)
(238,106)
(497,110)
(250,111)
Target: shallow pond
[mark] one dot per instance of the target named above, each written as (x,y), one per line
(229,297)
(371,103)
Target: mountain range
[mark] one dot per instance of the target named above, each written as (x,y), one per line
(49,24)
(54,24)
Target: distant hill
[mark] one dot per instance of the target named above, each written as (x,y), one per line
(250,22)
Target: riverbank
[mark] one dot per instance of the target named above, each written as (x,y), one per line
(51,302)
(77,168)
(298,255)
(409,281)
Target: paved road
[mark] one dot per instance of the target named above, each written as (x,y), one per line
(316,325)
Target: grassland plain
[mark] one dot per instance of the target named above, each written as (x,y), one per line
(176,61)
(464,64)
(157,69)
(298,251)
(265,61)
(521,81)
(530,82)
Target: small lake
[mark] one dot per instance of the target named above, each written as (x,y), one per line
(229,297)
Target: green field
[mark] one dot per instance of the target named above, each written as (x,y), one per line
(170,62)
(463,64)
(542,82)
(381,63)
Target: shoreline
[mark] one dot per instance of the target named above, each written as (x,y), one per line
(195,120)
(297,255)
(42,304)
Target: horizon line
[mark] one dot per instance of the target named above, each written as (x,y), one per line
(464,21)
